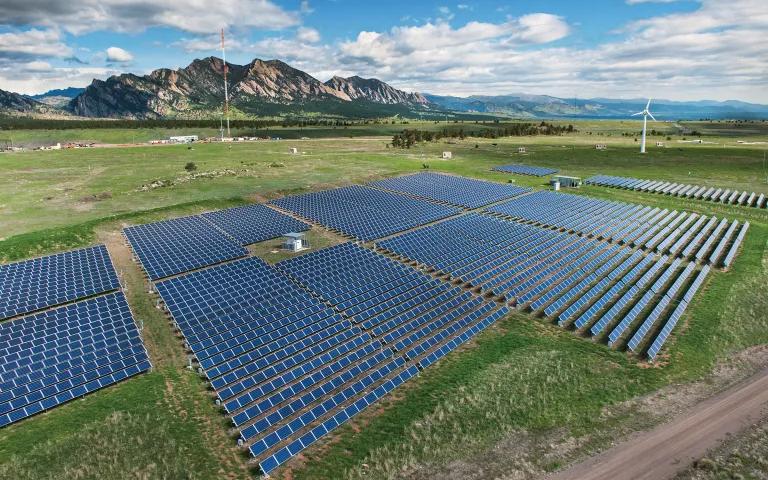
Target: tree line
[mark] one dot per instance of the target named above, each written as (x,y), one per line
(23,123)
(410,137)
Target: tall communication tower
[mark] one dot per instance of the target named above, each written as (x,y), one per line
(226,93)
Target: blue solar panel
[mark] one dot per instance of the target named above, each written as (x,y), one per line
(464,192)
(254,223)
(735,247)
(280,361)
(364,213)
(614,221)
(526,170)
(48,281)
(175,246)
(681,190)
(52,357)
(670,324)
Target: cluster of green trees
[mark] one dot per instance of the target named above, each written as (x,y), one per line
(409,137)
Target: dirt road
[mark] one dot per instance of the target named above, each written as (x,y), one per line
(663,451)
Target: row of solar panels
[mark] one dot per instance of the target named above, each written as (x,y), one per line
(70,332)
(295,350)
(364,213)
(580,282)
(654,229)
(713,194)
(526,170)
(179,245)
(451,189)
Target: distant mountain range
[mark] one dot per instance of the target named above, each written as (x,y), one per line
(544,106)
(259,88)
(274,88)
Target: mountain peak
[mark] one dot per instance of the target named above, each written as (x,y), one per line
(374,90)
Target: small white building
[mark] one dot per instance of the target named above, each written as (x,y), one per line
(565,181)
(295,242)
(183,138)
(293,150)
(600,146)
(660,144)
(520,149)
(51,147)
(447,155)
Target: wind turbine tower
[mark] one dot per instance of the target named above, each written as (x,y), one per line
(645,113)
(226,93)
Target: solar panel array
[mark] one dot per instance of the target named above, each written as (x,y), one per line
(87,342)
(713,194)
(460,191)
(287,367)
(675,233)
(178,245)
(525,170)
(43,282)
(592,286)
(364,213)
(254,223)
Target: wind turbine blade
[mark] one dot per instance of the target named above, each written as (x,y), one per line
(648,104)
(636,114)
(651,115)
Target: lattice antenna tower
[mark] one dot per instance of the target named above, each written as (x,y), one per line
(226,92)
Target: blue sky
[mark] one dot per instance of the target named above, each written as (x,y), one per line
(707,49)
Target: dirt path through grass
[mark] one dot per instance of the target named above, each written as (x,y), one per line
(671,447)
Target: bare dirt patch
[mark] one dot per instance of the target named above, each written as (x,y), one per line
(96,197)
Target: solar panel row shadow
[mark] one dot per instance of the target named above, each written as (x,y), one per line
(460,191)
(52,280)
(364,213)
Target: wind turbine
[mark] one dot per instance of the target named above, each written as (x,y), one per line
(645,113)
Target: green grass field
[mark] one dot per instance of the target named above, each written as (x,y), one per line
(523,375)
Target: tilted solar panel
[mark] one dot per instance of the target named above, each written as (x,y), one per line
(465,192)
(179,245)
(51,357)
(691,191)
(254,223)
(55,279)
(364,213)
(526,170)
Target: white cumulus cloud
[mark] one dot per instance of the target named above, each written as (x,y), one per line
(199,16)
(32,43)
(118,55)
